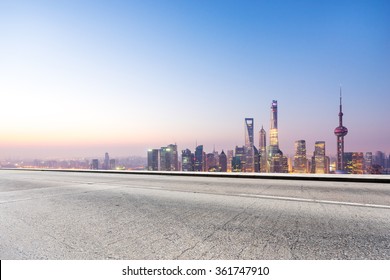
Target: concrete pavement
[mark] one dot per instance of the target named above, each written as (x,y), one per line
(55,215)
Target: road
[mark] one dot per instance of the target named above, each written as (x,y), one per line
(56,215)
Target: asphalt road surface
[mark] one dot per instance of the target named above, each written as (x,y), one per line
(55,215)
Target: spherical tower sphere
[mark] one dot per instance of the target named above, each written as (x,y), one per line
(341,131)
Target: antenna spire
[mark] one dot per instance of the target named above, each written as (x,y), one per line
(341,109)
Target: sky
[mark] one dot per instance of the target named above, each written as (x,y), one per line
(81,78)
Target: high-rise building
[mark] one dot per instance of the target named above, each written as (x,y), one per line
(153,159)
(240,164)
(165,159)
(222,162)
(211,163)
(95,164)
(380,159)
(327,164)
(106,164)
(187,160)
(357,163)
(300,160)
(387,162)
(174,157)
(112,164)
(257,159)
(276,161)
(216,157)
(290,165)
(348,165)
(169,160)
(263,150)
(230,154)
(199,159)
(368,162)
(273,135)
(262,139)
(236,164)
(340,132)
(249,144)
(379,163)
(284,165)
(310,166)
(319,158)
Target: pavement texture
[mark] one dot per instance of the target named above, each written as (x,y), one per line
(56,215)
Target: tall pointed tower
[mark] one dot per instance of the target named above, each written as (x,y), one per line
(273,135)
(249,144)
(277,163)
(340,132)
(263,150)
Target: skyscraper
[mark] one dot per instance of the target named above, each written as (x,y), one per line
(348,164)
(368,162)
(274,141)
(106,162)
(169,160)
(222,162)
(187,161)
(249,143)
(388,164)
(256,159)
(174,157)
(300,160)
(319,158)
(340,132)
(216,156)
(380,159)
(95,164)
(211,163)
(238,162)
(112,164)
(165,159)
(230,154)
(199,158)
(357,163)
(276,161)
(263,150)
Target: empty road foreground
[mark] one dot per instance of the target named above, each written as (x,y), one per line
(56,215)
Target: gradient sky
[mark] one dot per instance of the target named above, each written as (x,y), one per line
(79,78)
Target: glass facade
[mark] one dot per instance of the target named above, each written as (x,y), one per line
(319,163)
(300,160)
(249,144)
(187,160)
(263,151)
(153,159)
(199,159)
(223,162)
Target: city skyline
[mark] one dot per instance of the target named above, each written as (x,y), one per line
(81,78)
(248,141)
(270,159)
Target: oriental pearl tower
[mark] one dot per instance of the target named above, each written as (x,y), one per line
(340,132)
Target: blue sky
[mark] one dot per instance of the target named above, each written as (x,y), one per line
(79,78)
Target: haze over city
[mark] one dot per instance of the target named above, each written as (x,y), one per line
(80,78)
